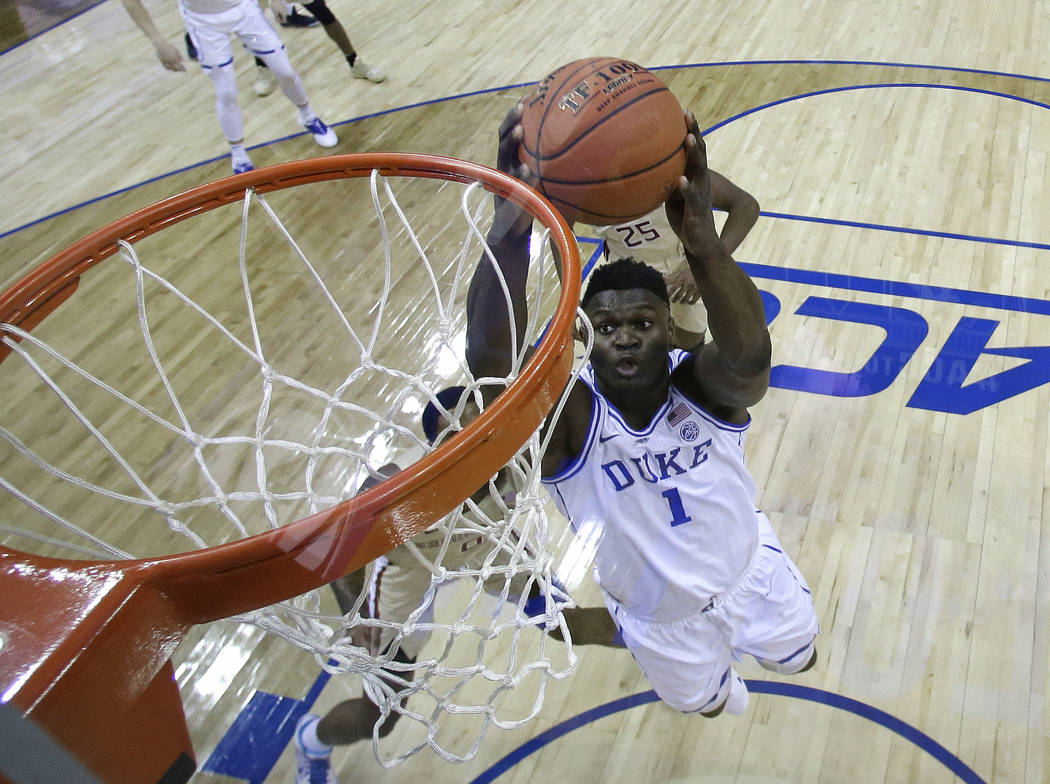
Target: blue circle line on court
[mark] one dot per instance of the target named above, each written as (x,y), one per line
(876,86)
(880,717)
(716,126)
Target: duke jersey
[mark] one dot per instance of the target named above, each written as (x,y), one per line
(669,508)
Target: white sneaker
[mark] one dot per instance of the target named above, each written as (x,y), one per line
(323,135)
(265,81)
(310,768)
(362,70)
(241,163)
(736,702)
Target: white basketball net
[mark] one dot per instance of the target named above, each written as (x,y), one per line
(254,393)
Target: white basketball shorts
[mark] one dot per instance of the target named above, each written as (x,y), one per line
(211,32)
(769,615)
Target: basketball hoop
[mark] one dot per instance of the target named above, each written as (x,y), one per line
(85,644)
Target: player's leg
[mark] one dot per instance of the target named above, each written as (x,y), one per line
(292,87)
(688,662)
(335,30)
(397,590)
(259,38)
(347,722)
(216,59)
(774,617)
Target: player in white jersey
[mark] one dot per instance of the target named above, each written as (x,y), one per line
(647,454)
(210,23)
(650,239)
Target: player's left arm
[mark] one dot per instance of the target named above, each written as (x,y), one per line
(741,210)
(731,372)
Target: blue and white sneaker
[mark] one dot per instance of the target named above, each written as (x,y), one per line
(311,767)
(323,135)
(240,167)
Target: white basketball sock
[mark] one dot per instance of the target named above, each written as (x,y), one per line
(310,742)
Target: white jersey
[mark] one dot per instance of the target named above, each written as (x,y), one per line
(669,508)
(652,240)
(649,239)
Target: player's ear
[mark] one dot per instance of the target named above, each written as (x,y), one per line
(577,330)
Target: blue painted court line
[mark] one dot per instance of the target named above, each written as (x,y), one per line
(880,86)
(59,23)
(880,717)
(259,735)
(898,288)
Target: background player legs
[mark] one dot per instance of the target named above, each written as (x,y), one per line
(334,30)
(228,111)
(337,33)
(292,87)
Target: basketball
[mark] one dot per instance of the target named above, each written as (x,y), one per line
(604,136)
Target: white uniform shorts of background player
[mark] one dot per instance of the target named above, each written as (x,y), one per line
(691,572)
(650,239)
(210,24)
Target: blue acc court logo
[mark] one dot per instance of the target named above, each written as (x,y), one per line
(946,384)
(689,431)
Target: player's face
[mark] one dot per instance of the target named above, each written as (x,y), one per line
(632,335)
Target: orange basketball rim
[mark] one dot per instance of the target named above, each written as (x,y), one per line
(85,646)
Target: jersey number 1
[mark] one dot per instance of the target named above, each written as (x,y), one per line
(674,500)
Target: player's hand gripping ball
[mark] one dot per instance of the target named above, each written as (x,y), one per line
(604,138)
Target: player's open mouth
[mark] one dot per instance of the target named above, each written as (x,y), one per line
(626,366)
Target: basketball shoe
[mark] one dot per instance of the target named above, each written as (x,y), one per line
(323,135)
(296,19)
(240,160)
(264,82)
(362,70)
(311,767)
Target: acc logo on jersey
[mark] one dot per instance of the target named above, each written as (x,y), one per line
(690,431)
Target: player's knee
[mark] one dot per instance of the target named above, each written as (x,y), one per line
(320,10)
(798,662)
(279,63)
(225,85)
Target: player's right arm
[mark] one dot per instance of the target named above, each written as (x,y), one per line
(490,342)
(169,56)
(732,372)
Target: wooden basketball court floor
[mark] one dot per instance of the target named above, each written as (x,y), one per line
(899,152)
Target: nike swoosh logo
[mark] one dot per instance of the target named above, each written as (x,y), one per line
(607,438)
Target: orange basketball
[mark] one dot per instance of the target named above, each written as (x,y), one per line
(604,136)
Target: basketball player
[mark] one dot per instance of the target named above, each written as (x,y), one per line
(646,459)
(359,69)
(209,24)
(404,581)
(651,240)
